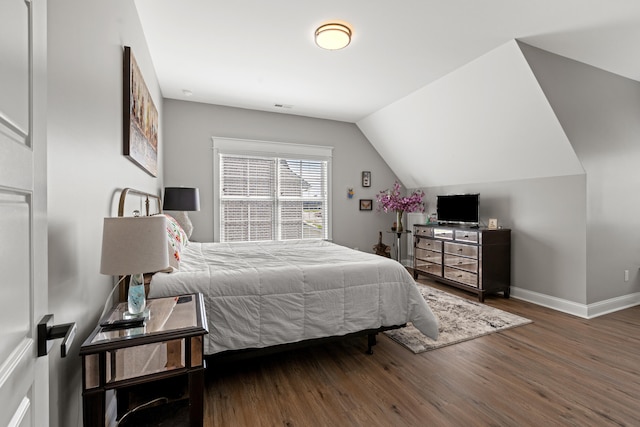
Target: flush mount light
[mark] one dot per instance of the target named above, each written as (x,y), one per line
(333,36)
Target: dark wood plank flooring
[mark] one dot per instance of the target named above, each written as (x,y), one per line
(559,370)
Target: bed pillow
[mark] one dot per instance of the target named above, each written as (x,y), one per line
(177,240)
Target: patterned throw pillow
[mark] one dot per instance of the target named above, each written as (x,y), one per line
(177,239)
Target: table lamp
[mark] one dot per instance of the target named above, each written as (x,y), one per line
(134,246)
(181,200)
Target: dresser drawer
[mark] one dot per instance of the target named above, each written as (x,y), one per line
(468,264)
(432,245)
(443,233)
(427,267)
(465,277)
(463,250)
(466,236)
(434,257)
(424,231)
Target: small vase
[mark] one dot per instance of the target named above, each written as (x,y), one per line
(399,227)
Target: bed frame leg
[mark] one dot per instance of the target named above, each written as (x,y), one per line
(371,341)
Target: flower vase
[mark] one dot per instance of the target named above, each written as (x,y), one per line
(399,227)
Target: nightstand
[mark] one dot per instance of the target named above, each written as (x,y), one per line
(160,362)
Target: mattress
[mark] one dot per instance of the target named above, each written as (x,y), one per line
(261,294)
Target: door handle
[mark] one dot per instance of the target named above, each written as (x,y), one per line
(47,331)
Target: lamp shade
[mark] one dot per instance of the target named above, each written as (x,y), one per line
(181,199)
(134,245)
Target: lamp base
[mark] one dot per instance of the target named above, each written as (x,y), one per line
(136,299)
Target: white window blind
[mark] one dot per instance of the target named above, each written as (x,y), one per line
(264,197)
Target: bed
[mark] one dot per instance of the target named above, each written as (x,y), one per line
(267,296)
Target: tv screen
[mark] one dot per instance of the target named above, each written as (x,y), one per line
(459,208)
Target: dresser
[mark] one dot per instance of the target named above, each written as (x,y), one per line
(474,259)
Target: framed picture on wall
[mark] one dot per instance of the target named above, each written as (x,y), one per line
(140,118)
(366,204)
(366,179)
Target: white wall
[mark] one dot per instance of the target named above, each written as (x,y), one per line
(86,167)
(600,113)
(487,121)
(189,126)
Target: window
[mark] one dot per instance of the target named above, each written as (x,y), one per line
(271,195)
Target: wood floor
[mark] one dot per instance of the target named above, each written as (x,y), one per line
(559,370)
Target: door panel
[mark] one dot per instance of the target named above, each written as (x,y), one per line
(14,67)
(15,316)
(24,386)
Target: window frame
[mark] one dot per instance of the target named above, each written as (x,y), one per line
(267,149)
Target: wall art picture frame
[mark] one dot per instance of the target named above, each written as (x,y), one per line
(493,224)
(366,204)
(366,178)
(140,118)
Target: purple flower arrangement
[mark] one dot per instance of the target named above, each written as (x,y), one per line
(393,201)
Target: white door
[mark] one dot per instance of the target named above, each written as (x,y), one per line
(24,378)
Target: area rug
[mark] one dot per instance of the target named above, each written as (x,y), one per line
(460,320)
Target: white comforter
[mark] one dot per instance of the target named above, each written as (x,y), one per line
(263,294)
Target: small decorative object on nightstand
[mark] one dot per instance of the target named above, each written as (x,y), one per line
(146,363)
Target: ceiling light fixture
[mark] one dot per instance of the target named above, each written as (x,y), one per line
(333,36)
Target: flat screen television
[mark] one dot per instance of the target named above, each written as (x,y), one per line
(459,209)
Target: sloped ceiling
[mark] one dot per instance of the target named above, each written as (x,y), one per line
(487,121)
(255,54)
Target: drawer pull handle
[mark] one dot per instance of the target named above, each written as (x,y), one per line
(459,249)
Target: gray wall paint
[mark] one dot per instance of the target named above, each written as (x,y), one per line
(600,113)
(189,126)
(547,219)
(86,168)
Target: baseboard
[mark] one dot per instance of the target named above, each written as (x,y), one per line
(586,311)
(614,304)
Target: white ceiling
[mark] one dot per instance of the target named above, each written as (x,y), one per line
(255,53)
